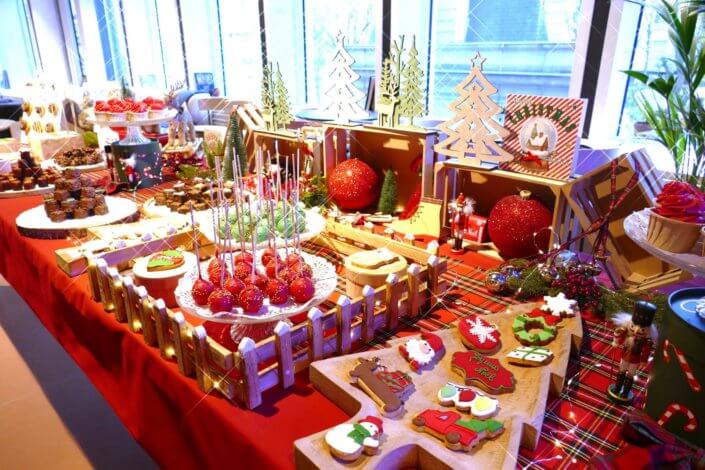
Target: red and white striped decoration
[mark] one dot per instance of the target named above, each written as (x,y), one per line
(562,162)
(674,408)
(692,381)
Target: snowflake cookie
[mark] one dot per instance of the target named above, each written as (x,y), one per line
(560,305)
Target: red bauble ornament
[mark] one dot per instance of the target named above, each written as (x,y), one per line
(353,185)
(201,290)
(302,290)
(513,222)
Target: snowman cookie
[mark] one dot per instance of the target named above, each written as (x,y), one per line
(348,441)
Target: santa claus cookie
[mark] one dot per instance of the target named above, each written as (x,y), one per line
(422,352)
(389,389)
(468,400)
(456,433)
(349,440)
(478,334)
(483,372)
(559,306)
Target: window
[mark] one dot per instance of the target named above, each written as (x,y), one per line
(17,63)
(242,61)
(528,49)
(284,27)
(358,21)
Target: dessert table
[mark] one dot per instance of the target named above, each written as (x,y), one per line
(182,427)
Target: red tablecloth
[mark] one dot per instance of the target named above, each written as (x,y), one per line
(181,427)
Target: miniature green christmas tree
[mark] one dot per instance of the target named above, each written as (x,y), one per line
(234,145)
(388,195)
(282,112)
(413,101)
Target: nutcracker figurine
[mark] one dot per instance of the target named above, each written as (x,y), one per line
(634,336)
(459,210)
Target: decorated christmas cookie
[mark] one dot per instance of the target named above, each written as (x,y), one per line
(483,372)
(468,400)
(533,331)
(551,320)
(530,356)
(422,351)
(479,334)
(165,260)
(387,389)
(457,433)
(560,306)
(349,440)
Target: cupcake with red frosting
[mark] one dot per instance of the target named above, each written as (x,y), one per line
(675,222)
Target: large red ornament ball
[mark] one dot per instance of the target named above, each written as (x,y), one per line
(513,222)
(353,185)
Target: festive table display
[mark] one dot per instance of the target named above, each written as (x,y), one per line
(494,427)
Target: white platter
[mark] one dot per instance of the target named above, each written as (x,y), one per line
(82,168)
(315,224)
(26,192)
(636,226)
(36,220)
(325,280)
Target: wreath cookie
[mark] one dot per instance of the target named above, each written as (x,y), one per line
(542,333)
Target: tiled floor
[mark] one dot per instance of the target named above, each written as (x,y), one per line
(51,416)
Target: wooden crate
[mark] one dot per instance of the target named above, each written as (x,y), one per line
(589,198)
(289,350)
(305,139)
(383,148)
(486,187)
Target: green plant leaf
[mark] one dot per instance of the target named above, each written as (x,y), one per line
(641,76)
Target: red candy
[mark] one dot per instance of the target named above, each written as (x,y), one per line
(268,255)
(243,270)
(221,300)
(215,268)
(234,285)
(277,291)
(294,258)
(201,290)
(245,257)
(251,299)
(302,289)
(274,267)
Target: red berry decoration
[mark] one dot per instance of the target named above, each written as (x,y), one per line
(268,255)
(234,285)
(201,290)
(251,299)
(513,222)
(353,185)
(277,291)
(302,289)
(221,300)
(215,268)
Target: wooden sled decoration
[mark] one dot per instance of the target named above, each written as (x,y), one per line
(404,445)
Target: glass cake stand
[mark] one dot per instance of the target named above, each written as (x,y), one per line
(133,134)
(636,226)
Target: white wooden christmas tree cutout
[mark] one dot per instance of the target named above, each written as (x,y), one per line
(413,91)
(472,131)
(342,94)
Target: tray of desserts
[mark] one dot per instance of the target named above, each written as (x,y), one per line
(26,178)
(83,159)
(180,197)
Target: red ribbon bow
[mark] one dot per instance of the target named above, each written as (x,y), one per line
(531,158)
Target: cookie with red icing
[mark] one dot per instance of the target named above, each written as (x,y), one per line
(479,335)
(483,372)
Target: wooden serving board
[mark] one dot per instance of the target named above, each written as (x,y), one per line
(522,411)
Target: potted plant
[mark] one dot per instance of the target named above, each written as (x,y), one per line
(677,114)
